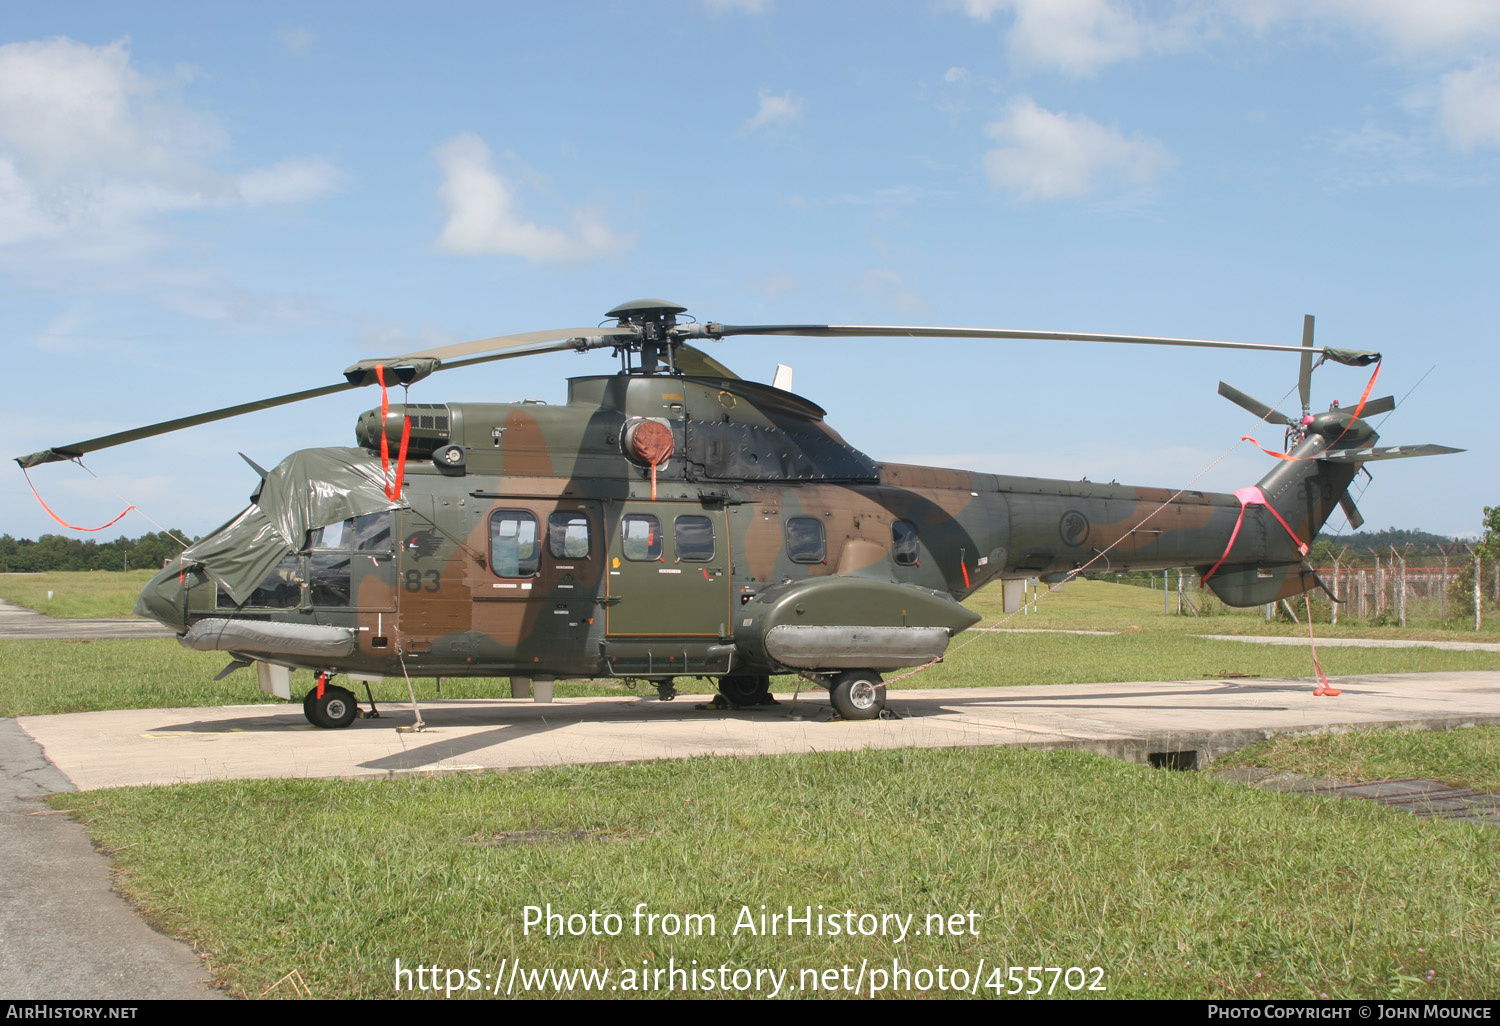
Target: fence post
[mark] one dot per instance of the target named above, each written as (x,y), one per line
(1478,594)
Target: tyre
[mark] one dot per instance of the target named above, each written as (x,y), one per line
(857,694)
(337,708)
(745,689)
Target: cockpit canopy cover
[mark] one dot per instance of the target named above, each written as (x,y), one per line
(309,489)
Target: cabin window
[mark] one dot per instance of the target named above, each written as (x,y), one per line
(694,537)
(515,549)
(904,543)
(568,535)
(640,537)
(805,542)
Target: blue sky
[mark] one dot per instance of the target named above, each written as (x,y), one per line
(206,204)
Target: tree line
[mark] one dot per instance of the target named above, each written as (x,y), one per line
(56,552)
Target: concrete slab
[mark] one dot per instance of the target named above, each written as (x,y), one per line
(20,623)
(1130,720)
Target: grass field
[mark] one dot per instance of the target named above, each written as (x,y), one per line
(1173,884)
(97,595)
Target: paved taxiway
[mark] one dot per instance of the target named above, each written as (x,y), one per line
(1128,720)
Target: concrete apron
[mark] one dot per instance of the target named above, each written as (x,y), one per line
(1179,723)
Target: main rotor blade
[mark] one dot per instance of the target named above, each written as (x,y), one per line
(500,342)
(76,449)
(401,369)
(1254,405)
(712,330)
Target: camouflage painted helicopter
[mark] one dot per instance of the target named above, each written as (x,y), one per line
(674,520)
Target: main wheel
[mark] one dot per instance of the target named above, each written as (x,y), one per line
(337,707)
(857,694)
(745,689)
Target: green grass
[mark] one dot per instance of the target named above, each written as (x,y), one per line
(1176,884)
(95,595)
(1469,757)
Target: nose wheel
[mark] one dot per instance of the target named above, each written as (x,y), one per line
(329,706)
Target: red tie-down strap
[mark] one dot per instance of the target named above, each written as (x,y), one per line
(1252,496)
(392,490)
(59,519)
(1323,688)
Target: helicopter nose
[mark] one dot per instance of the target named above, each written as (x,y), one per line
(164,600)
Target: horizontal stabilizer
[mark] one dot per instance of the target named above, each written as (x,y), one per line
(1392,452)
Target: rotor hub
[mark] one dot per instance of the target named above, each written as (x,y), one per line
(655,320)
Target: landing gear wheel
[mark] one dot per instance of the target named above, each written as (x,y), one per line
(337,707)
(745,690)
(857,695)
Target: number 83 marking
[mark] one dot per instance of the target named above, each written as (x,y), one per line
(414,579)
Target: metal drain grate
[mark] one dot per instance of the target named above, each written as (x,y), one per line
(1432,799)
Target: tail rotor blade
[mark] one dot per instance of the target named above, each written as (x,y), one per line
(1304,377)
(1254,405)
(1375,407)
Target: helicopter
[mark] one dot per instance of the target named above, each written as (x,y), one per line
(674,520)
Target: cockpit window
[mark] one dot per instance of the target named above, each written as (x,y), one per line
(372,532)
(369,533)
(281,588)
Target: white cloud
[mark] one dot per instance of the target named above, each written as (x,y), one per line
(774,285)
(296,41)
(1081,36)
(92,152)
(485,216)
(893,288)
(290,181)
(1470,109)
(785,109)
(1412,26)
(737,6)
(1045,155)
